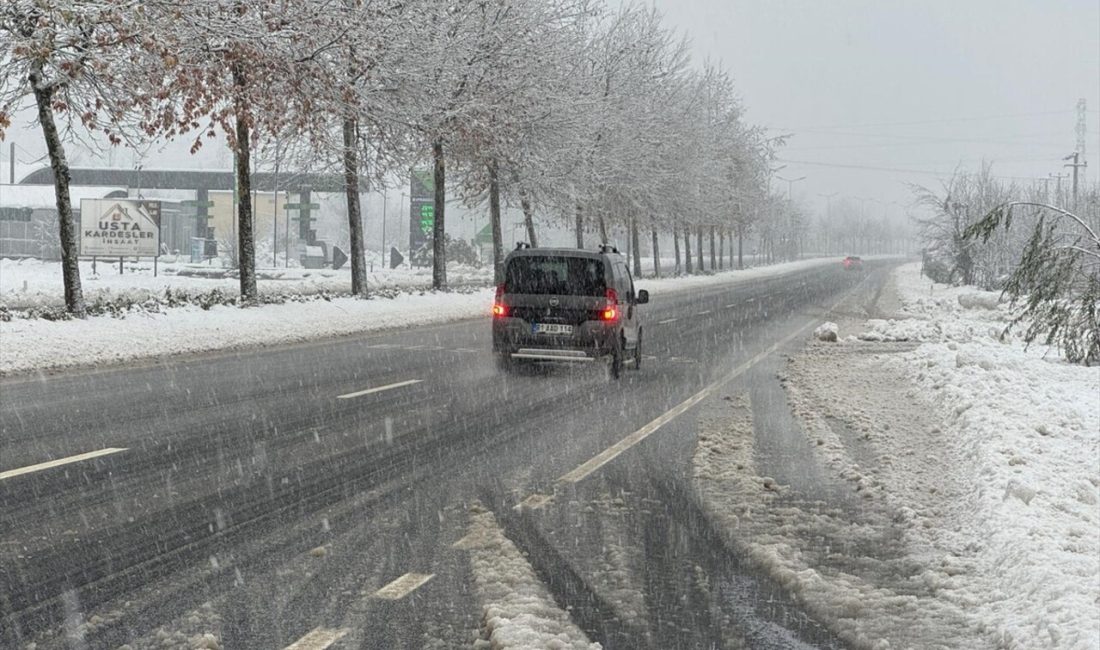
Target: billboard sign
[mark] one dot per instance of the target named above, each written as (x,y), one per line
(119,228)
(421,216)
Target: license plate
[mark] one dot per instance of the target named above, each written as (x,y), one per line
(551,328)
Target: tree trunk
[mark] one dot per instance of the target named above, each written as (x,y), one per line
(439,244)
(740,248)
(355,215)
(635,249)
(699,247)
(676,249)
(246,243)
(656,256)
(721,249)
(70,264)
(528,218)
(603,229)
(687,250)
(713,257)
(494,222)
(580,226)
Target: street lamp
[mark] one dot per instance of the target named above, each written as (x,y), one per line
(790,183)
(828,219)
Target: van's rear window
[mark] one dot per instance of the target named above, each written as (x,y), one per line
(569,276)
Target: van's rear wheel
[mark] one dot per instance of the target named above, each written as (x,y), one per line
(615,368)
(638,352)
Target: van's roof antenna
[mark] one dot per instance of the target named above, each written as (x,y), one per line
(608,248)
(520,245)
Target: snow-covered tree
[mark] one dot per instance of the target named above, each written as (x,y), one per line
(74,61)
(1057,278)
(241,69)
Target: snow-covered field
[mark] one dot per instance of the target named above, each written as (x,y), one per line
(30,344)
(959,497)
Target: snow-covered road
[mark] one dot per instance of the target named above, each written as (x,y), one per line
(35,344)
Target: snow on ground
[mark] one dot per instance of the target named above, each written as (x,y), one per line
(688,282)
(26,283)
(517,610)
(959,502)
(30,344)
(1025,426)
(30,283)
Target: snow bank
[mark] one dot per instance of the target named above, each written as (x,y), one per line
(30,283)
(1026,428)
(41,344)
(517,610)
(959,503)
(688,282)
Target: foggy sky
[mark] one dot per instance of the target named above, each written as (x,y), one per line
(924,86)
(992,79)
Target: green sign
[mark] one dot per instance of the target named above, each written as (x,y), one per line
(485,235)
(427,218)
(300,206)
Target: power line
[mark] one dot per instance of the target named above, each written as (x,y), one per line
(935,139)
(890,169)
(917,122)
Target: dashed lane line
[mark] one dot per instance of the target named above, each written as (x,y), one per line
(379,389)
(318,639)
(667,321)
(12,473)
(403,586)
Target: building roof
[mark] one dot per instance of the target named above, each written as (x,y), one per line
(42,196)
(188,179)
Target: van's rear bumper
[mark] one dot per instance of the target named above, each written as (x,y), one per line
(553,354)
(590,340)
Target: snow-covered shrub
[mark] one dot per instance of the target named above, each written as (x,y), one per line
(1057,280)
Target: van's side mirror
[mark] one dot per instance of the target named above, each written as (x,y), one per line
(643,297)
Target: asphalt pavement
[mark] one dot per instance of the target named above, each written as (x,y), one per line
(273,493)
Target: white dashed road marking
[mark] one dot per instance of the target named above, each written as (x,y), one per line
(379,389)
(667,320)
(11,473)
(318,639)
(403,586)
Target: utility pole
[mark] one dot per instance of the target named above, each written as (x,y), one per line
(11,162)
(828,220)
(790,209)
(1046,187)
(1075,156)
(1081,133)
(275,209)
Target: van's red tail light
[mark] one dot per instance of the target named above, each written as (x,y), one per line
(611,311)
(499,308)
